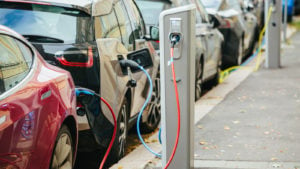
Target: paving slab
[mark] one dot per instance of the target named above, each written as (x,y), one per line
(258,121)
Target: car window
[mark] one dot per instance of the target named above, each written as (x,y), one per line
(136,19)
(214,4)
(151,10)
(202,11)
(66,24)
(125,25)
(15,62)
(106,26)
(233,4)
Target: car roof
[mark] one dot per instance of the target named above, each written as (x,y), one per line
(10,32)
(84,5)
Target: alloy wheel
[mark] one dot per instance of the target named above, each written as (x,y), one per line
(63,153)
(123,128)
(154,107)
(240,53)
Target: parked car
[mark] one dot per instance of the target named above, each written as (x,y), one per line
(38,127)
(208,39)
(88,41)
(290,9)
(297,7)
(257,7)
(150,10)
(239,27)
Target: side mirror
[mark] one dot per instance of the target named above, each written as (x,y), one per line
(141,57)
(214,21)
(154,33)
(250,7)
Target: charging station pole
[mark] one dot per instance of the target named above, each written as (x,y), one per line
(273,33)
(181,21)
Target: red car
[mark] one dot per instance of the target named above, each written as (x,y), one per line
(38,128)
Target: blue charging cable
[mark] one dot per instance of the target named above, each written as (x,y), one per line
(141,113)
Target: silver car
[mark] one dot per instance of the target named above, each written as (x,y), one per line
(208,38)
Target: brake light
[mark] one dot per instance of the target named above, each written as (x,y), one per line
(61,56)
(28,2)
(226,24)
(157,41)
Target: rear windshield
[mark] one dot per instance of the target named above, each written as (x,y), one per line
(151,10)
(66,24)
(214,4)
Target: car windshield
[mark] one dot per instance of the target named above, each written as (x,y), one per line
(49,24)
(149,9)
(214,4)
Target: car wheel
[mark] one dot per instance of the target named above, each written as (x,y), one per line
(154,112)
(198,83)
(62,156)
(118,149)
(215,80)
(240,53)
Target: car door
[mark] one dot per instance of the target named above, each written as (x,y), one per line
(19,103)
(210,39)
(139,31)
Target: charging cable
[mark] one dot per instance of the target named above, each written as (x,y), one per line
(84,91)
(178,105)
(132,64)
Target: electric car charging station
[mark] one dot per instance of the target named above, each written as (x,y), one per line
(177,32)
(249,119)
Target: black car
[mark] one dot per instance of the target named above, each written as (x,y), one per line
(88,38)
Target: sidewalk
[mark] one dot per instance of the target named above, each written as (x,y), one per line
(250,123)
(257,125)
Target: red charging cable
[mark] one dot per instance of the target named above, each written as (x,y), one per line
(113,136)
(178,110)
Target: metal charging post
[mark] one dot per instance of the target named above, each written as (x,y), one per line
(273,33)
(180,21)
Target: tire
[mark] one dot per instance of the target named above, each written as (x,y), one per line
(289,18)
(154,109)
(215,80)
(118,149)
(63,152)
(239,56)
(198,83)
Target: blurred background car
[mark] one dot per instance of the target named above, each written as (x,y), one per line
(257,7)
(297,7)
(208,39)
(89,42)
(290,9)
(150,9)
(239,27)
(38,127)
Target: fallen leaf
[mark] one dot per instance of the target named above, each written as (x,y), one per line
(226,128)
(205,148)
(236,122)
(120,167)
(202,142)
(274,159)
(200,127)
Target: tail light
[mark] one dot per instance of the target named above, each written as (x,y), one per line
(76,58)
(226,23)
